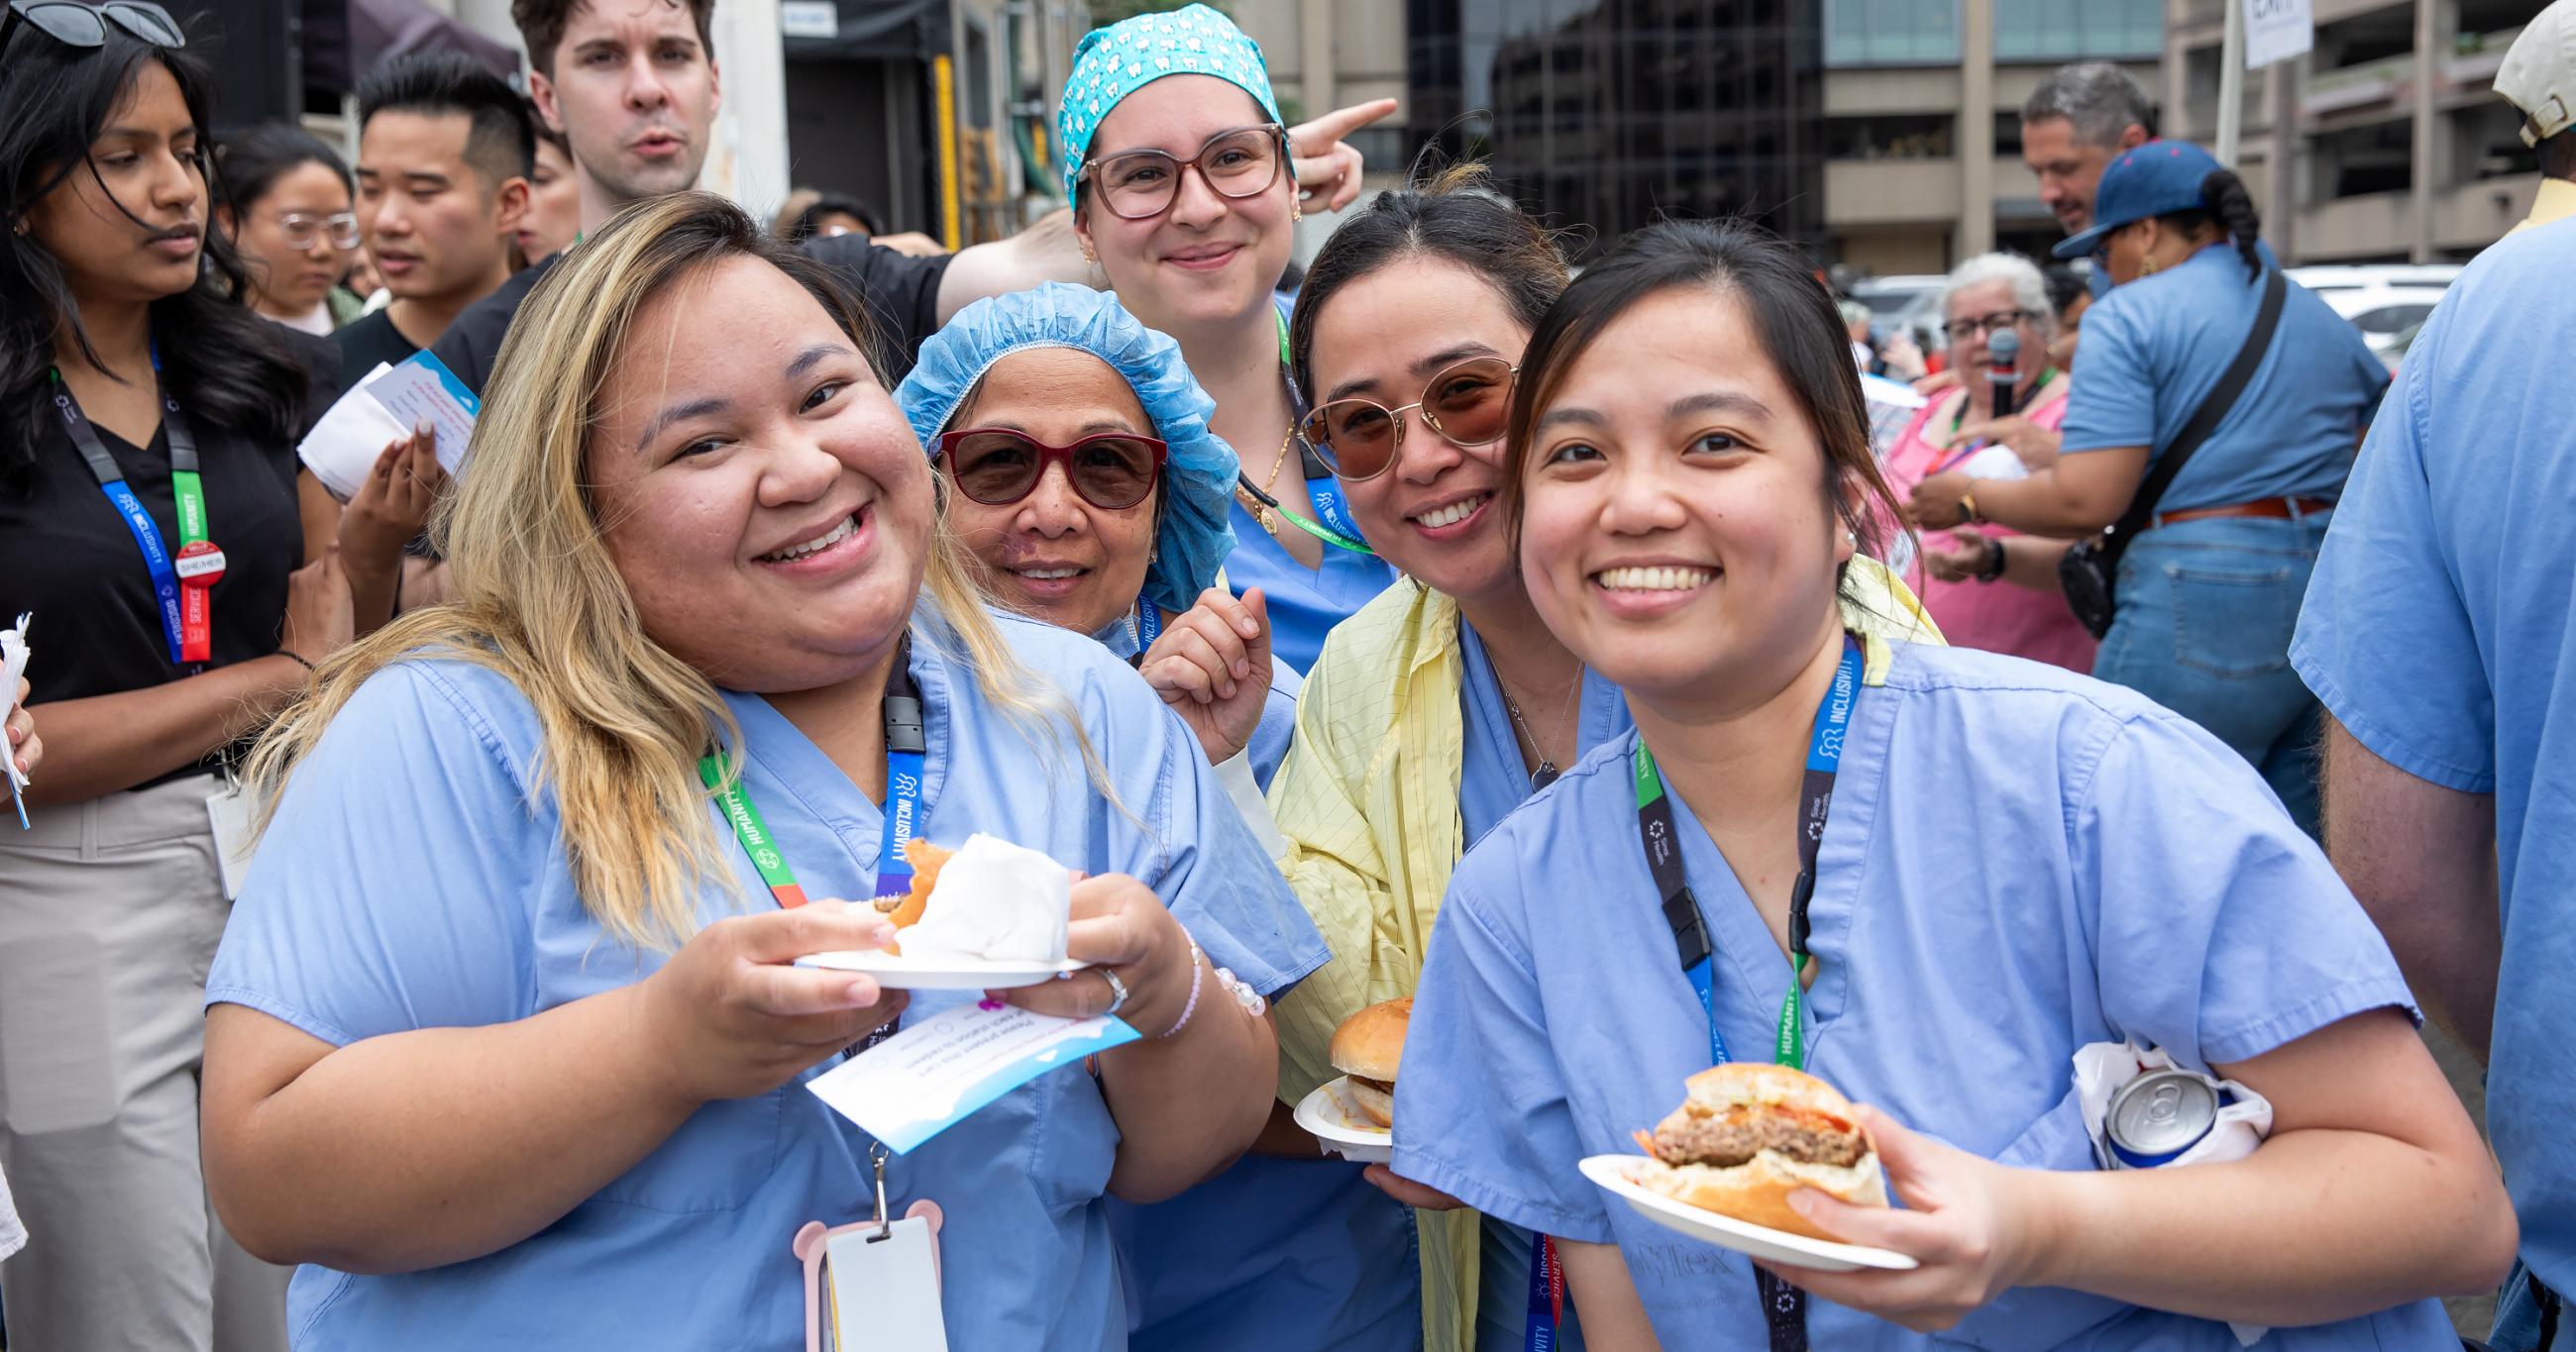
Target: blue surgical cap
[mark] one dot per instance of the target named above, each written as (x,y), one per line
(1114,62)
(1199,470)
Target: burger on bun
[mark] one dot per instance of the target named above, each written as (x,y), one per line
(1748,1135)
(1366,1048)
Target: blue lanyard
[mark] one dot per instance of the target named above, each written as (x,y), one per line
(1783,1306)
(1148,624)
(186,491)
(905,748)
(1546,1296)
(1333,511)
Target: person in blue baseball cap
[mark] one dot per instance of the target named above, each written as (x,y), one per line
(1081,476)
(2204,357)
(1184,188)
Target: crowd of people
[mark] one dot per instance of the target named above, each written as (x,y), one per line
(387,960)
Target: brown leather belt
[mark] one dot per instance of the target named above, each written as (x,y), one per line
(2279,509)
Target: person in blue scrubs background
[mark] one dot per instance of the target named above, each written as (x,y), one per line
(503,1042)
(1079,474)
(2437,632)
(1180,175)
(2209,592)
(1690,477)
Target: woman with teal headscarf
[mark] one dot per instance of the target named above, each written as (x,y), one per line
(1179,170)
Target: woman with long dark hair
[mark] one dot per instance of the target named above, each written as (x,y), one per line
(2208,589)
(1774,862)
(148,515)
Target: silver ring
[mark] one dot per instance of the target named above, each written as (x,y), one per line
(1117,991)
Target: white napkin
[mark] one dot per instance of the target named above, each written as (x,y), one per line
(994,902)
(2102,1067)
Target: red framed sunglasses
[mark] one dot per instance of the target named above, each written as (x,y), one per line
(998,466)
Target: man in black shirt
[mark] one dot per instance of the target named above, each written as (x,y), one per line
(634,88)
(445,148)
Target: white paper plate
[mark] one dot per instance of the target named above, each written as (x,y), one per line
(940,974)
(1611,1173)
(1332,1119)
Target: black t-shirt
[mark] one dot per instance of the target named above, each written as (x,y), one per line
(366,341)
(66,555)
(900,291)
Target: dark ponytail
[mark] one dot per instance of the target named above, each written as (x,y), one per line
(2228,209)
(2234,207)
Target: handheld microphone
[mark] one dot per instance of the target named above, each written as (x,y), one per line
(2003,354)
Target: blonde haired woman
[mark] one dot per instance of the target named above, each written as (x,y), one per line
(503,1042)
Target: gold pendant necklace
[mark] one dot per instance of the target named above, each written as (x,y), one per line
(1261,511)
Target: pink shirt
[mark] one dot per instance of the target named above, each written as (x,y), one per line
(1995,616)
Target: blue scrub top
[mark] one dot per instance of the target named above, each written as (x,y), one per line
(1291,1254)
(2439,631)
(2152,349)
(414,877)
(1492,778)
(1305,603)
(1553,1020)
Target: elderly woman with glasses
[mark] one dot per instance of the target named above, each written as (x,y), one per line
(1079,475)
(1987,296)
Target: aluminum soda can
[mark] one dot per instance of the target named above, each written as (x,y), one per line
(2158,1116)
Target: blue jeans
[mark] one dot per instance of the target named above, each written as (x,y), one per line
(2524,1319)
(2206,610)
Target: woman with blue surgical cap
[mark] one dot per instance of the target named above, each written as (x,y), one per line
(1180,175)
(1081,478)
(1082,481)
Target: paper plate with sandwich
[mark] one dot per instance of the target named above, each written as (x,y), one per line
(1721,1167)
(989,915)
(1353,1114)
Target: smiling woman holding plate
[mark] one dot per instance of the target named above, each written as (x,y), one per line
(539,860)
(1773,863)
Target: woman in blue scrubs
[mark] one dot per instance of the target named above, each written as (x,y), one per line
(503,1040)
(1446,702)
(1183,191)
(1079,475)
(1690,476)
(2209,592)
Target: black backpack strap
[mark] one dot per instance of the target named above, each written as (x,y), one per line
(2204,420)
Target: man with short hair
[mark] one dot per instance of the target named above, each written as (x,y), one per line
(2538,78)
(633,86)
(2071,126)
(445,148)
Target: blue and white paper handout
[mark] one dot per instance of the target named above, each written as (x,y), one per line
(384,408)
(938,1072)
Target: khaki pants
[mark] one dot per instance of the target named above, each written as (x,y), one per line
(109,914)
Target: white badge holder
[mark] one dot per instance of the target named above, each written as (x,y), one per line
(875,1284)
(228,812)
(2102,1067)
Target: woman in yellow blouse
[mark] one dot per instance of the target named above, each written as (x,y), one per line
(1443,704)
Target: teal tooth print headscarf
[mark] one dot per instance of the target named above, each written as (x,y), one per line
(1114,62)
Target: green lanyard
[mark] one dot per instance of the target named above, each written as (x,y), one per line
(749,829)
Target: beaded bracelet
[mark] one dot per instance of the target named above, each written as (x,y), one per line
(1198,976)
(1242,992)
